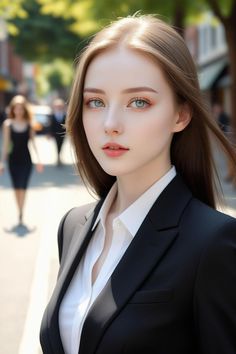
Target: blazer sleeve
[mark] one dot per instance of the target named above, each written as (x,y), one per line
(215,293)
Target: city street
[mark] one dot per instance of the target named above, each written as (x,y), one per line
(149,70)
(28,254)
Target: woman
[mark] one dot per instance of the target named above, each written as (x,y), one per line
(151,267)
(17,131)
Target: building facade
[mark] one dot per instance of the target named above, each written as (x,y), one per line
(208,46)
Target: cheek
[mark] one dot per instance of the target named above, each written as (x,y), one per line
(158,129)
(87,124)
(90,132)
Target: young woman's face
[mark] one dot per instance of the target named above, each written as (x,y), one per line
(129,114)
(19,110)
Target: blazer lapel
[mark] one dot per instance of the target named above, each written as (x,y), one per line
(155,236)
(75,252)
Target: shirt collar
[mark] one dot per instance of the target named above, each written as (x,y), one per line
(106,206)
(133,216)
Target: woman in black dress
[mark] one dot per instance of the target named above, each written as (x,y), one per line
(17,131)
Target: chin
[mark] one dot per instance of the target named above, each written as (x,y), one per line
(113,171)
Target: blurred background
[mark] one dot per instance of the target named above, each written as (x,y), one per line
(39,40)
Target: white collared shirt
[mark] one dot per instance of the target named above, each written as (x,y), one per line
(81,293)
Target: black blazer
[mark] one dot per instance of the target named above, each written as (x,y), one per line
(57,128)
(173,292)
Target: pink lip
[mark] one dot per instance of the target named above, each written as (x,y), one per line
(114,150)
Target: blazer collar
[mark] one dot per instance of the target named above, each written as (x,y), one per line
(153,239)
(168,208)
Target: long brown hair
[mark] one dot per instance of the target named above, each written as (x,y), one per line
(190,149)
(19,99)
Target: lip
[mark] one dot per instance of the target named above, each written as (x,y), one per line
(114,150)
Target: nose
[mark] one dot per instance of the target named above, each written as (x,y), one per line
(113,124)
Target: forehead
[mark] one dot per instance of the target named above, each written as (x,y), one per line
(124,66)
(58,105)
(18,104)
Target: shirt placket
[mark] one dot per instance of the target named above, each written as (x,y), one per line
(86,275)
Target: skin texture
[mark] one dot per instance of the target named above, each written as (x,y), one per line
(128,101)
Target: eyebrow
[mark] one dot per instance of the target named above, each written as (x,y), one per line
(128,90)
(138,89)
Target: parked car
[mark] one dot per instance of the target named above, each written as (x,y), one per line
(41,118)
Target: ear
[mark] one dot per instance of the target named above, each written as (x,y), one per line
(184,116)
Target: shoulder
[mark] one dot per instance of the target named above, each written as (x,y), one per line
(7,123)
(214,230)
(80,214)
(223,225)
(207,216)
(212,233)
(70,221)
(205,228)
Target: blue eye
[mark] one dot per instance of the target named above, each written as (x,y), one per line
(95,103)
(139,103)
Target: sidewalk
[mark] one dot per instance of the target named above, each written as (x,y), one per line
(28,254)
(29,262)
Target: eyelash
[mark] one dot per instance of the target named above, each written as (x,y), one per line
(145,100)
(90,100)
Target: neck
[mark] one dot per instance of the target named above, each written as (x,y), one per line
(20,119)
(131,188)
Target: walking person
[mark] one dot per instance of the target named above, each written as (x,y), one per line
(57,130)
(150,267)
(17,131)
(223,120)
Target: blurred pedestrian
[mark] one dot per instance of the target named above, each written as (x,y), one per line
(223,120)
(150,267)
(17,131)
(221,117)
(57,121)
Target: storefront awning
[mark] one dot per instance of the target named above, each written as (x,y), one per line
(208,75)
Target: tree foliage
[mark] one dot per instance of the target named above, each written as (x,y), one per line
(11,9)
(50,28)
(90,15)
(43,37)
